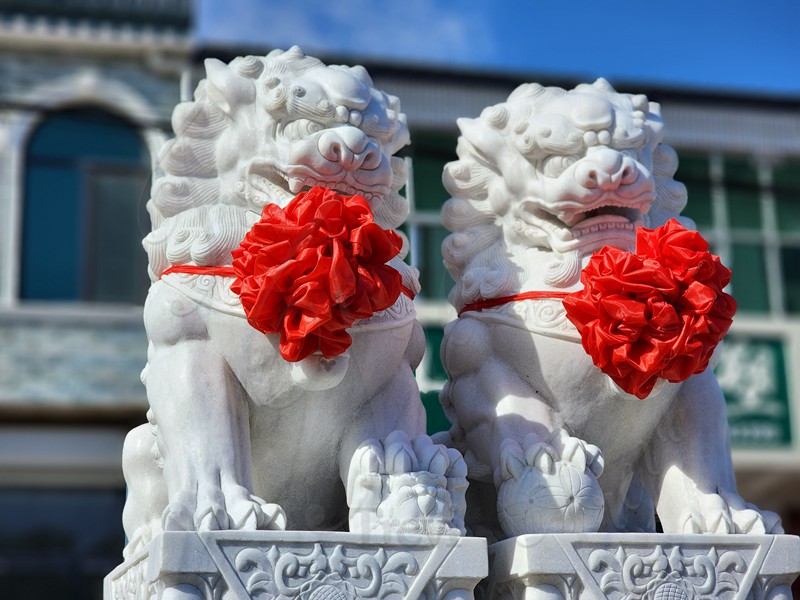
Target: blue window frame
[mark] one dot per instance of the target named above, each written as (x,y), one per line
(86,185)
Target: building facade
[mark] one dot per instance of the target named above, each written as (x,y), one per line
(86,93)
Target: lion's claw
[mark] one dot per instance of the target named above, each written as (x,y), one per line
(727,513)
(216,510)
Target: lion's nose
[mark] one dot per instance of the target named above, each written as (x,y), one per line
(606,169)
(350,147)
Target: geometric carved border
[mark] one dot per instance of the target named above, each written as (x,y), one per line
(296,565)
(643,566)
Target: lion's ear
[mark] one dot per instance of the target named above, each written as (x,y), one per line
(225,88)
(485,140)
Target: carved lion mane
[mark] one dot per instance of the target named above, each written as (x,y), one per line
(531,177)
(245,141)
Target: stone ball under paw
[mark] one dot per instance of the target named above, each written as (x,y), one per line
(568,500)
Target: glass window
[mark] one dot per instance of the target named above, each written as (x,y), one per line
(86,185)
(693,172)
(698,207)
(430,154)
(434,376)
(786,187)
(434,278)
(749,278)
(790,262)
(744,208)
(740,171)
(57,543)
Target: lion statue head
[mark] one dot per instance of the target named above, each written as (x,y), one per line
(548,177)
(259,131)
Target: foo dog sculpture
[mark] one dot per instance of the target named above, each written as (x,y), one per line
(232,422)
(542,183)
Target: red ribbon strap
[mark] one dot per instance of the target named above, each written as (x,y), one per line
(308,270)
(200,270)
(492,302)
(655,314)
(228,271)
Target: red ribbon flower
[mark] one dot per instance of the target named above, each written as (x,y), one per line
(658,313)
(309,270)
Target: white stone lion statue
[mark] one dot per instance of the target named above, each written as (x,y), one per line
(238,436)
(542,183)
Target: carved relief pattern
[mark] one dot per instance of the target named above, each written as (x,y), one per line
(215,292)
(208,290)
(542,316)
(131,585)
(672,574)
(338,573)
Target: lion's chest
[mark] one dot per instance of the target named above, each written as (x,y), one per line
(585,400)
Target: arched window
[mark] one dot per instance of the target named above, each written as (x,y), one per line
(86,184)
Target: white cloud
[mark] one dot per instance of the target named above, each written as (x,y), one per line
(406,30)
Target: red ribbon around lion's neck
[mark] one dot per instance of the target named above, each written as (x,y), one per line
(309,270)
(658,313)
(493,302)
(228,271)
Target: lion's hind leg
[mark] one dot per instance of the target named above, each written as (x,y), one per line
(689,468)
(147,494)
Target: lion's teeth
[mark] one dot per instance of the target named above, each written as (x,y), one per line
(295,185)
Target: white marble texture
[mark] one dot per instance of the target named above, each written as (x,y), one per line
(238,437)
(543,181)
(300,565)
(643,567)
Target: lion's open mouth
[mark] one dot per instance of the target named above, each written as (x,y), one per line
(267,182)
(608,212)
(612,220)
(342,186)
(605,218)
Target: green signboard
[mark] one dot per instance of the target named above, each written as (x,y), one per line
(752,373)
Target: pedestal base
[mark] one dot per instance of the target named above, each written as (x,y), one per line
(304,565)
(643,566)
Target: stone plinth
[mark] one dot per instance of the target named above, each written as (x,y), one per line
(302,565)
(642,566)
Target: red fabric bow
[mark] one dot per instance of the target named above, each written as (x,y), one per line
(657,313)
(309,270)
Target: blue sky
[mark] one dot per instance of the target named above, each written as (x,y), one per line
(735,46)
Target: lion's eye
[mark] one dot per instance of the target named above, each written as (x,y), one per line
(556,165)
(301,129)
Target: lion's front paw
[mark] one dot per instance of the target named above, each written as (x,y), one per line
(407,486)
(726,513)
(549,487)
(213,509)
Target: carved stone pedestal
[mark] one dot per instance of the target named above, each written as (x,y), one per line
(650,567)
(302,565)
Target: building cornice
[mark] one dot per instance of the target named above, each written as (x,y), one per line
(103,39)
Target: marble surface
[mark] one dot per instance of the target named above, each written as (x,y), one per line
(639,566)
(301,565)
(240,435)
(543,182)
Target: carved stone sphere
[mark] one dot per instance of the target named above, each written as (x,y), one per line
(566,500)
